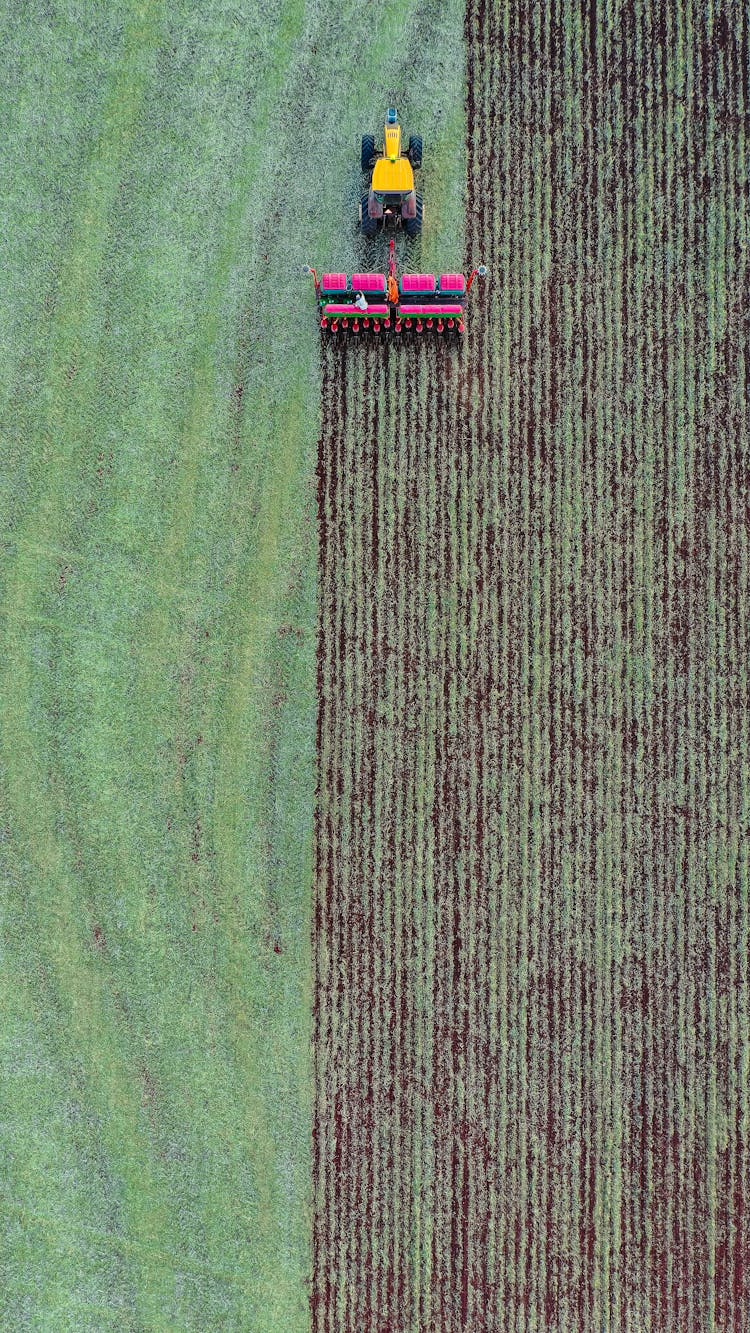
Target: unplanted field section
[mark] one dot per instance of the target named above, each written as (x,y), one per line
(531,932)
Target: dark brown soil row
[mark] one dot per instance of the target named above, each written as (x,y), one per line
(531,933)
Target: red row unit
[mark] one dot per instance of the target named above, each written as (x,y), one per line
(440,318)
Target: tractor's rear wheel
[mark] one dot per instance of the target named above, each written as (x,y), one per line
(369,225)
(413,226)
(415,150)
(368,151)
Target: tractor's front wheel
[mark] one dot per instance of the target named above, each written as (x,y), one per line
(413,226)
(368,225)
(414,153)
(368,151)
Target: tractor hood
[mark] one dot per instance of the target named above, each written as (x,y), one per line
(392,134)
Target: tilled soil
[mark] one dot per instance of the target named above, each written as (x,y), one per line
(531,925)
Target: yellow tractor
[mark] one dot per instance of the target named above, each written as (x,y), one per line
(392,199)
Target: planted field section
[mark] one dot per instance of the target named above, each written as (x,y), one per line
(390,533)
(532,1010)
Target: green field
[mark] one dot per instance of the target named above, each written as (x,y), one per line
(170,170)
